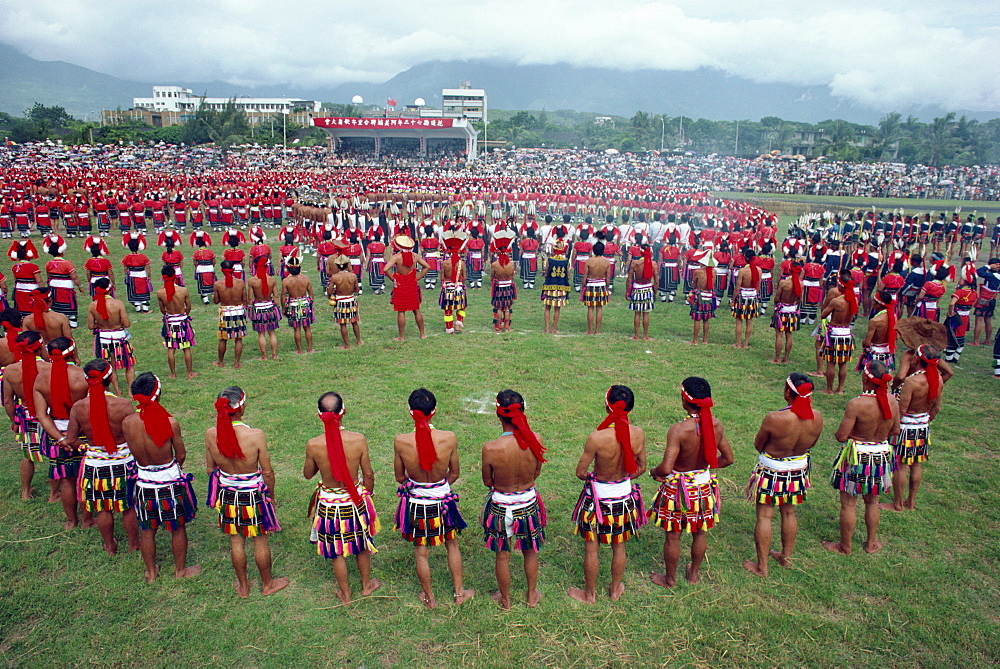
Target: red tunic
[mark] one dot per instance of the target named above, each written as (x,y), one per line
(406,293)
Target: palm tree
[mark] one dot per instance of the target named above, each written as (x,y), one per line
(939,139)
(887,135)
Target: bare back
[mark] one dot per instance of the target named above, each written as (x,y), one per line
(407,463)
(296,286)
(229,296)
(253,443)
(684,452)
(785,292)
(343,283)
(355,452)
(507,467)
(117,318)
(180,303)
(782,434)
(602,448)
(79,419)
(598,268)
(147,453)
(863,420)
(261,290)
(502,272)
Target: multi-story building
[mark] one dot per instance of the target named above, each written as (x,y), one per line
(464,102)
(173,105)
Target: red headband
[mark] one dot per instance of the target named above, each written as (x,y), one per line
(802,404)
(38,309)
(425,443)
(170,285)
(154,417)
(932,372)
(526,439)
(850,296)
(891,317)
(706,424)
(335,452)
(11,332)
(754,273)
(647,265)
(225,433)
(59,384)
(100,298)
(29,371)
(408,258)
(881,391)
(797,280)
(228,273)
(261,271)
(99,424)
(619,416)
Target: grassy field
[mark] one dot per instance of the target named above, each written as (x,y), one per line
(929,599)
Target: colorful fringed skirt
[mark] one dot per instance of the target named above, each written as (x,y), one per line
(779,481)
(265,316)
(863,468)
(299,311)
(914,439)
(609,512)
(339,526)
(838,344)
(232,322)
(177,332)
(785,317)
(514,521)
(687,502)
(427,514)
(164,497)
(107,481)
(643,298)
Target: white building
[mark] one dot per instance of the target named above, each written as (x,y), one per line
(177,99)
(464,102)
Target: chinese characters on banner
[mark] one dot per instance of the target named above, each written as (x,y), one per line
(376,123)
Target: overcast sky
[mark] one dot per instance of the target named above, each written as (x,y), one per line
(885,54)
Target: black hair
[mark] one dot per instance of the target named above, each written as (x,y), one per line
(876,368)
(28,337)
(53,249)
(330,401)
(931,352)
(697,387)
(530,232)
(748,253)
(599,249)
(584,234)
(845,275)
(168,270)
(234,241)
(797,379)
(12,316)
(293,270)
(100,365)
(567,218)
(199,240)
(916,260)
(942,273)
(227,264)
(170,243)
(621,393)
(548,218)
(638,238)
(103,283)
(897,267)
(289,238)
(144,384)
(507,397)
(422,400)
(234,394)
(60,344)
(133,245)
(95,249)
(609,219)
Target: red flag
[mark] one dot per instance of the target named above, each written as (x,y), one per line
(390,102)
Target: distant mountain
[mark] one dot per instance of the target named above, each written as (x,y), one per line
(702,93)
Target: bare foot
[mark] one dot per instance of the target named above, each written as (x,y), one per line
(737,346)
(692,575)
(782,560)
(275,585)
(263,357)
(827,392)
(188,572)
(775,362)
(88,523)
(754,568)
(312,350)
(692,343)
(534,598)
(27,494)
(423,336)
(217,363)
(274,357)
(873,547)
(398,339)
(237,365)
(191,375)
(151,575)
(111,548)
(427,601)
(373,585)
(172,376)
(816,374)
(636,338)
(616,593)
(54,497)
(889,506)
(465,595)
(554,331)
(840,392)
(647,339)
(242,591)
(498,598)
(835,547)
(581,596)
(342,596)
(910,506)
(69,525)
(344,347)
(662,580)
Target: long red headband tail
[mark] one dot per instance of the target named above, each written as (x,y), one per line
(425,443)
(335,452)
(99,424)
(523,433)
(169,285)
(62,400)
(797,280)
(38,309)
(647,265)
(101,300)
(225,433)
(706,425)
(619,416)
(802,404)
(850,296)
(891,317)
(881,391)
(228,273)
(754,273)
(933,373)
(261,271)
(29,371)
(154,417)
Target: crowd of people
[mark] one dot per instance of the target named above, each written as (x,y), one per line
(416,232)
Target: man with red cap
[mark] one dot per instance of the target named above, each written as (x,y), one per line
(503,292)
(164,496)
(746,299)
(920,399)
(402,270)
(781,476)
(57,389)
(107,478)
(18,400)
(866,462)
(880,339)
(838,341)
(177,332)
(609,510)
(514,516)
(241,488)
(688,499)
(265,316)
(108,320)
(342,514)
(785,319)
(639,289)
(702,298)
(426,465)
(230,294)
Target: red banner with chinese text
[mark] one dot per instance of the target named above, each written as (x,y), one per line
(382,123)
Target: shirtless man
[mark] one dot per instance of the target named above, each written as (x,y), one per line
(919,403)
(164,496)
(880,339)
(341,291)
(702,298)
(502,290)
(595,293)
(265,316)
(785,319)
(639,288)
(781,476)
(21,410)
(746,299)
(688,498)
(108,320)
(175,305)
(617,449)
(343,517)
(514,518)
(230,293)
(819,333)
(402,270)
(838,344)
(53,325)
(241,488)
(297,297)
(53,421)
(426,465)
(865,464)
(95,425)
(453,298)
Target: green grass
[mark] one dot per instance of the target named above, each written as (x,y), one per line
(929,599)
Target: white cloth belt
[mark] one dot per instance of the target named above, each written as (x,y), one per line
(355,261)
(228,480)
(837,331)
(233,310)
(204,268)
(528,255)
(505,283)
(788,308)
(790,464)
(440,490)
(137,273)
(613,490)
(599,282)
(748,293)
(177,319)
(113,335)
(345,298)
(810,282)
(62,424)
(915,420)
(511,502)
(872,447)
(25,285)
(154,477)
(61,283)
(641,285)
(700,476)
(879,348)
(263,304)
(98,457)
